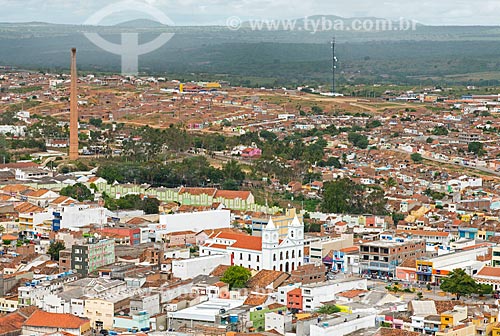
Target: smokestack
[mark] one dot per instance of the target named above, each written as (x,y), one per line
(73,123)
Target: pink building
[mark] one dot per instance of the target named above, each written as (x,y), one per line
(251,152)
(181,238)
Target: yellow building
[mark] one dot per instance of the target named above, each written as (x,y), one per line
(452,318)
(462,330)
(100,313)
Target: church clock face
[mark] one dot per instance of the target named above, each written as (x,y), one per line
(299,233)
(275,236)
(266,236)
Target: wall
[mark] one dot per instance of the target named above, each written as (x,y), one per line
(190,268)
(344,328)
(195,221)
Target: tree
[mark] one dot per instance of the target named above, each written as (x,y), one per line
(417,158)
(477,148)
(54,249)
(346,196)
(150,206)
(97,122)
(429,140)
(316,110)
(78,191)
(236,277)
(358,140)
(440,130)
(329,309)
(232,171)
(460,283)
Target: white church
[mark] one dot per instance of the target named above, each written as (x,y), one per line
(267,252)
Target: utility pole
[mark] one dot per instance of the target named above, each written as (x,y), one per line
(334,65)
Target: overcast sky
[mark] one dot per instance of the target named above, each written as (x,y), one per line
(200,12)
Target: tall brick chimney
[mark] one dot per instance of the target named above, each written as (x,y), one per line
(73,123)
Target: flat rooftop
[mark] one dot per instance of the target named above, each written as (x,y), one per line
(206,311)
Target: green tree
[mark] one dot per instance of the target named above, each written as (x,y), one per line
(97,122)
(396,217)
(232,171)
(346,196)
(417,157)
(54,249)
(429,140)
(328,309)
(460,283)
(150,206)
(477,148)
(316,110)
(78,191)
(358,140)
(440,130)
(236,277)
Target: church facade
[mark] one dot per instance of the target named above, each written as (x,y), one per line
(268,252)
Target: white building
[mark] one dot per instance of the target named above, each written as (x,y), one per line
(343,324)
(193,221)
(266,252)
(278,322)
(190,268)
(16,131)
(314,294)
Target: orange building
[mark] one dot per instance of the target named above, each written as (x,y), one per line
(294,299)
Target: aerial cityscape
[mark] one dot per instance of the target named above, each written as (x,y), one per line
(236,173)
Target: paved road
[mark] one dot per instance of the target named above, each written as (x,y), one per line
(482,169)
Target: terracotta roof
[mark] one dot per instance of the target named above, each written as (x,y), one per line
(26,207)
(352,293)
(9,237)
(396,332)
(11,323)
(232,194)
(424,233)
(255,300)
(63,200)
(488,271)
(350,249)
(15,188)
(242,241)
(443,306)
(137,220)
(266,278)
(53,320)
(19,165)
(409,263)
(219,270)
(36,193)
(197,191)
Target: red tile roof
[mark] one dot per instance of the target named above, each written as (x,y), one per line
(53,320)
(11,323)
(232,194)
(488,271)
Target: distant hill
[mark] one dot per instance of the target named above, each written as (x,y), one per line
(141,23)
(270,57)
